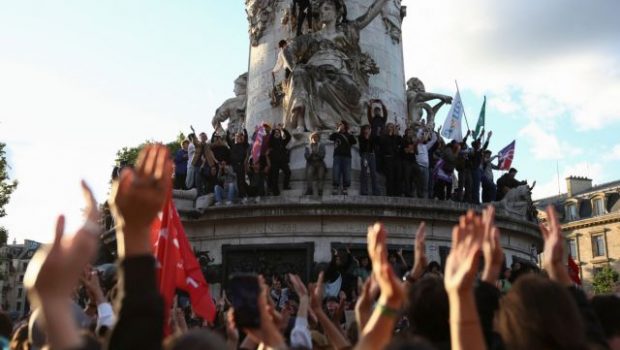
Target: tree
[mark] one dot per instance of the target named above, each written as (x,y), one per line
(6,189)
(129,155)
(605,280)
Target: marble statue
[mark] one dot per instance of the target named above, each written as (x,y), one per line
(518,201)
(417,103)
(393,14)
(233,109)
(261,13)
(330,70)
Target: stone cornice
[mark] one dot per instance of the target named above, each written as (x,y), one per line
(368,208)
(593,221)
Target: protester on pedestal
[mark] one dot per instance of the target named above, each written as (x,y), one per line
(489,189)
(426,140)
(190,179)
(226,184)
(257,173)
(239,156)
(389,144)
(368,166)
(341,169)
(315,165)
(180,166)
(278,156)
(200,162)
(507,182)
(476,158)
(445,169)
(463,168)
(409,167)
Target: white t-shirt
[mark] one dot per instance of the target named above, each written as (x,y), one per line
(191,150)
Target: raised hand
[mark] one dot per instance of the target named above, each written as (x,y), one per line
(461,265)
(420,261)
(553,253)
(491,247)
(392,291)
(90,281)
(54,273)
(363,307)
(138,196)
(316,296)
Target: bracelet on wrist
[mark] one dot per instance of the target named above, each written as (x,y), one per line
(388,311)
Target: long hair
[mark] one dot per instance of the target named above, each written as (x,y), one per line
(538,313)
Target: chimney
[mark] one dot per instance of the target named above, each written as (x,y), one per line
(577,184)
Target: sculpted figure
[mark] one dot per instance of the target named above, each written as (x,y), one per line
(233,109)
(417,102)
(330,71)
(518,201)
(393,14)
(260,14)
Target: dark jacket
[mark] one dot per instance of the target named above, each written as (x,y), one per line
(342,143)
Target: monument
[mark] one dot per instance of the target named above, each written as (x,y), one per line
(334,60)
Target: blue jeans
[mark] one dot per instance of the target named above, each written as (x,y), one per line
(489,190)
(341,172)
(422,185)
(368,167)
(231,192)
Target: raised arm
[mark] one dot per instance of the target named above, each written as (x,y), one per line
(373,11)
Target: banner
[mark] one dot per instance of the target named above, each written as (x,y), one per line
(452,126)
(506,156)
(481,119)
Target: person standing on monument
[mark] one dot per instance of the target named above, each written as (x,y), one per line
(302,11)
(226,184)
(239,156)
(315,165)
(367,141)
(180,166)
(426,141)
(278,156)
(489,189)
(341,169)
(390,143)
(476,166)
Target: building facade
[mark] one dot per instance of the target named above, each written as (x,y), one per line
(590,217)
(14,259)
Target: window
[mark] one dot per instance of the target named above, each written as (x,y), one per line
(21,278)
(571,212)
(19,292)
(572,248)
(598,245)
(598,206)
(24,266)
(18,306)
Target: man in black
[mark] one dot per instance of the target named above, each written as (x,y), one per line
(507,182)
(341,169)
(278,156)
(303,11)
(239,155)
(389,144)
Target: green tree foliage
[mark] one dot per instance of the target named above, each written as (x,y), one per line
(605,280)
(6,189)
(129,155)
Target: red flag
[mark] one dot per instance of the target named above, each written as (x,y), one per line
(506,156)
(573,270)
(177,266)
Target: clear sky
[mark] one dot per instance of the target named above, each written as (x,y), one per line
(80,79)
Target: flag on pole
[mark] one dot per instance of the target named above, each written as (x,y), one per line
(177,266)
(481,119)
(573,270)
(452,128)
(506,156)
(257,146)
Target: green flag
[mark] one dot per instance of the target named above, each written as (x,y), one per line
(480,125)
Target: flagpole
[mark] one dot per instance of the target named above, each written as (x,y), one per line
(464,114)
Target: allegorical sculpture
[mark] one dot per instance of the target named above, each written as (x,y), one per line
(330,70)
(417,103)
(393,14)
(233,109)
(518,201)
(261,13)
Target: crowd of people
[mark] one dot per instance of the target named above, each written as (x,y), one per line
(417,163)
(387,305)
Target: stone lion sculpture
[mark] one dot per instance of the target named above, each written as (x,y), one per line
(518,201)
(233,109)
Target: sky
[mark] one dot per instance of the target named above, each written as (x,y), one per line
(80,79)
